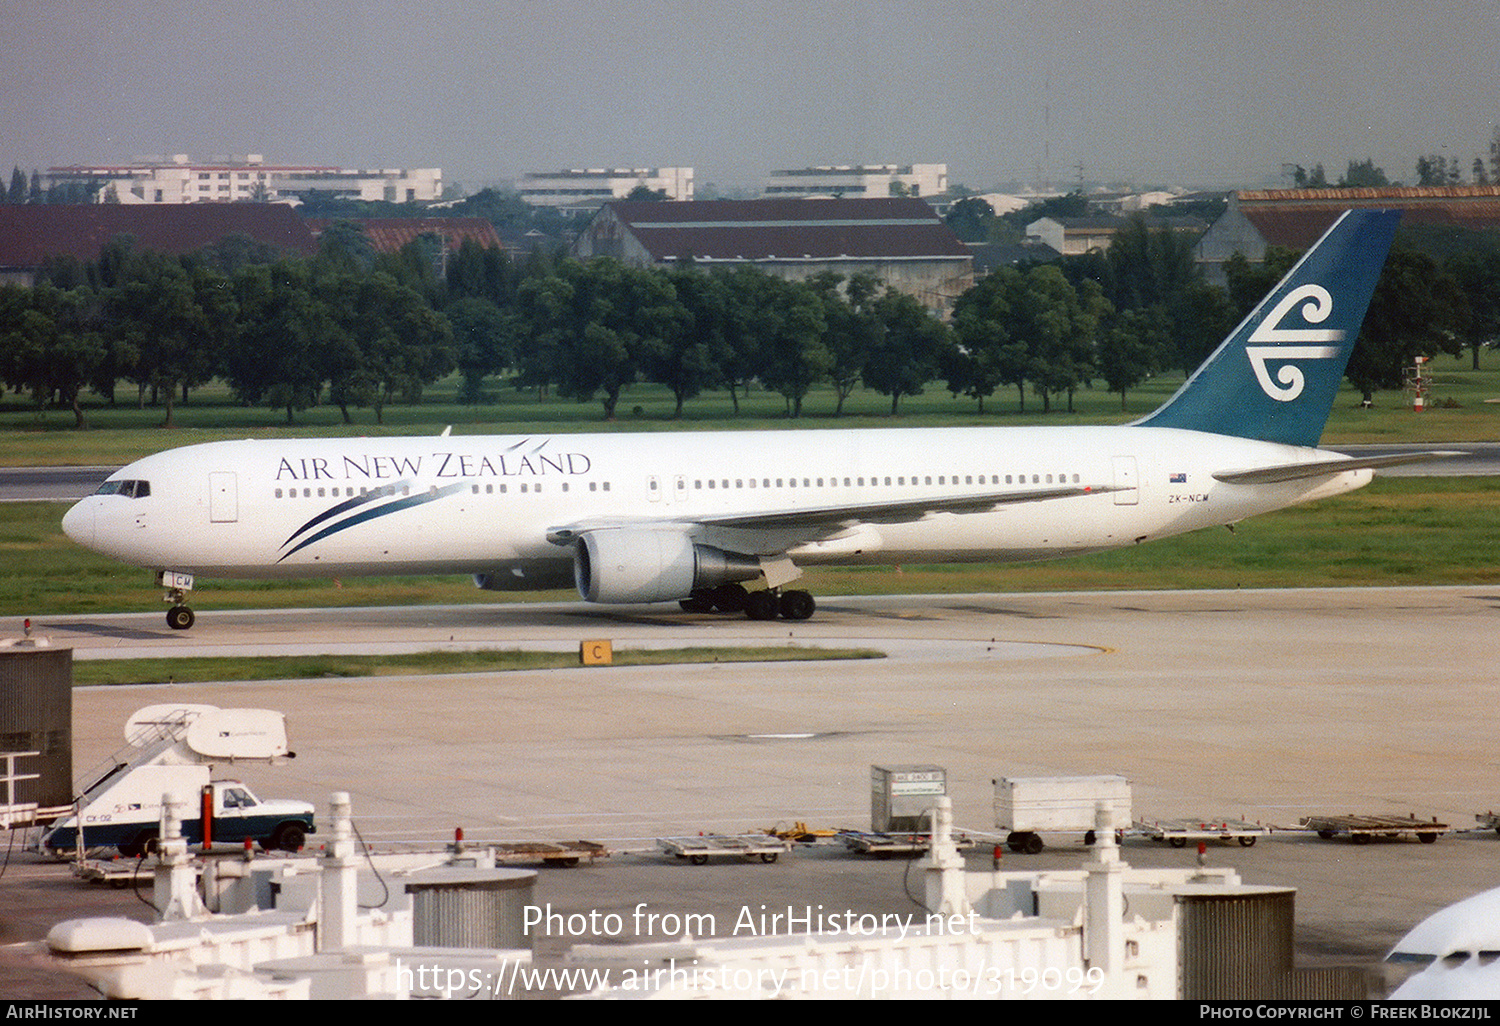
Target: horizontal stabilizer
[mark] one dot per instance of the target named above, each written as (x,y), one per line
(1322,468)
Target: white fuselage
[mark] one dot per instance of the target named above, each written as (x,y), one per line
(485,504)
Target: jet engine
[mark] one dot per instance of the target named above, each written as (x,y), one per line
(652,566)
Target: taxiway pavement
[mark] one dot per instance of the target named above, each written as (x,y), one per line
(1260,705)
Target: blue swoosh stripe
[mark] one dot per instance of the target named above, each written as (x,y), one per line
(348,504)
(370,514)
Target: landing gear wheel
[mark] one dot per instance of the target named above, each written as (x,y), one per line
(700,601)
(730,598)
(796,605)
(179,618)
(761,605)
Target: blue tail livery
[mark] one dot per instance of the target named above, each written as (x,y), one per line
(1276,375)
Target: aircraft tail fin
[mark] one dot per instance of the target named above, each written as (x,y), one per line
(1276,375)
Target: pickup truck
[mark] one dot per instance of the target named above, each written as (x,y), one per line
(127,814)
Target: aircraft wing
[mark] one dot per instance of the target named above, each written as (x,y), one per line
(820,521)
(896,511)
(1319,468)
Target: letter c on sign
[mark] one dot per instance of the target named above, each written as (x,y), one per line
(596,653)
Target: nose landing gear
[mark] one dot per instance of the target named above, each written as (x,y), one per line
(179,617)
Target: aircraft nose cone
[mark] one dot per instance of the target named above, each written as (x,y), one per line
(78,523)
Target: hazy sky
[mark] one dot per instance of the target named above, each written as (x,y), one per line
(1174,91)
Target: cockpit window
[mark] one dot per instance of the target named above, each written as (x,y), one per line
(129,489)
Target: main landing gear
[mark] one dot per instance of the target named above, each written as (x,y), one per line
(768,604)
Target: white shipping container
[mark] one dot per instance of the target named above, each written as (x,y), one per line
(1034,804)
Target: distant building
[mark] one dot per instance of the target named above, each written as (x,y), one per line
(902,242)
(859,181)
(391,234)
(581,190)
(1296,218)
(1074,236)
(243,179)
(32,234)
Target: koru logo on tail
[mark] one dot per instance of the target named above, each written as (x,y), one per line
(1317,305)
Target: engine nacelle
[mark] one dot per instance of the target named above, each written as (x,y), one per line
(652,566)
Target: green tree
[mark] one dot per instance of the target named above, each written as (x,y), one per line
(1477,273)
(1148,268)
(689,349)
(346,246)
(908,343)
(972,220)
(1059,326)
(544,302)
(984,354)
(275,357)
(50,344)
(643,193)
(1198,318)
(483,341)
(788,328)
(1131,349)
(173,320)
(852,328)
(1417,310)
(1363,174)
(403,344)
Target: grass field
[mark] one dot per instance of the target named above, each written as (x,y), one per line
(124,432)
(1398,531)
(156,671)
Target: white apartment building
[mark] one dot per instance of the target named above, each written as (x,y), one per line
(859,181)
(177,179)
(584,189)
